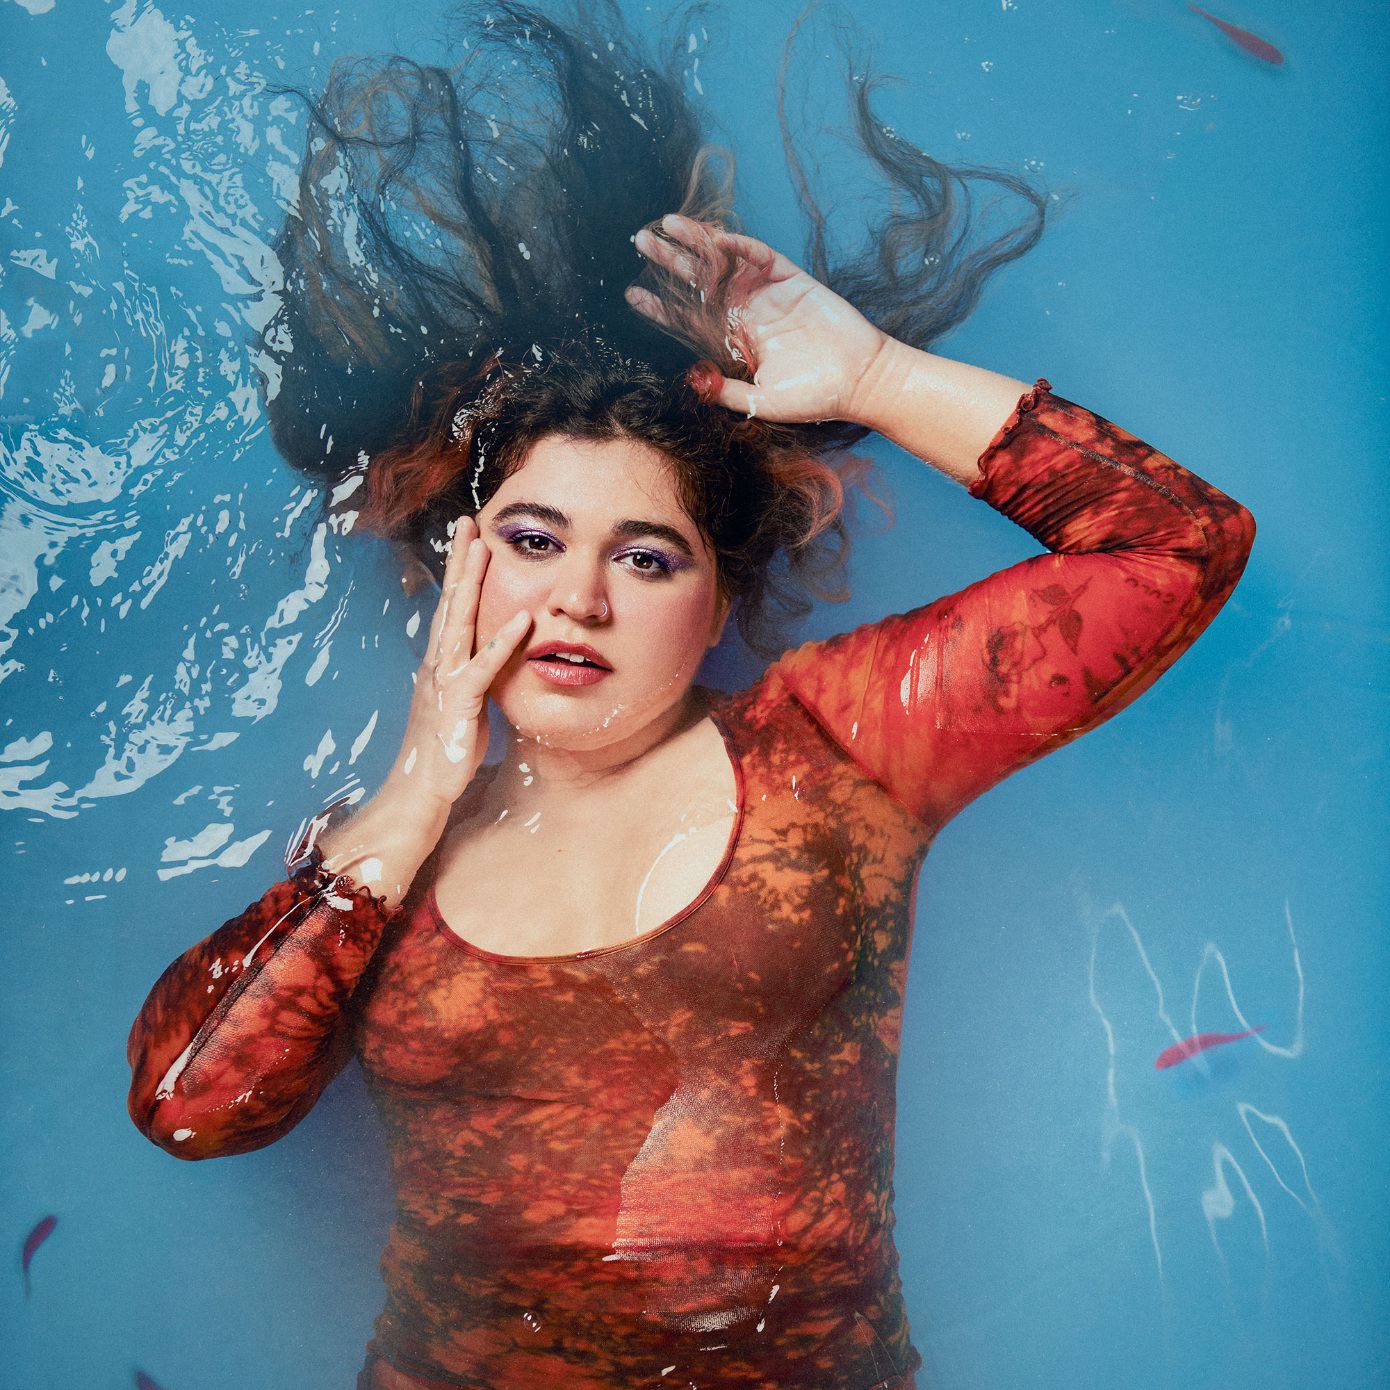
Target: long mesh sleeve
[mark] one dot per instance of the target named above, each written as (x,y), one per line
(241,1034)
(941,703)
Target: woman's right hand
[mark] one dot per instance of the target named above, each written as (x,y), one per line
(446,734)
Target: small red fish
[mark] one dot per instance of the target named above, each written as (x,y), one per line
(1199,1042)
(144,1382)
(1251,43)
(32,1241)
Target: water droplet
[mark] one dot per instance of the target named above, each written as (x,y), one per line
(531,1321)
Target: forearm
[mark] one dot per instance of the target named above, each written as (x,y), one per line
(944,412)
(241,1034)
(382,847)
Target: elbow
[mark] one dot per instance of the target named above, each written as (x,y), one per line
(1229,540)
(190,1131)
(201,1119)
(159,1107)
(175,1128)
(1244,541)
(189,1112)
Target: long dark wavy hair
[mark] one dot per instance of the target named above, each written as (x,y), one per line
(454,277)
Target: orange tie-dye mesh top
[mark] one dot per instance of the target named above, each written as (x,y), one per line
(669,1162)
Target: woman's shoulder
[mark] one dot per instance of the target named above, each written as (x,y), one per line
(805,675)
(845,668)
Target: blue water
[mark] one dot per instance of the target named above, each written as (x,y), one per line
(188,664)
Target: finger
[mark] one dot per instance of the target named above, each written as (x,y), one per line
(456,637)
(739,396)
(700,238)
(650,307)
(464,530)
(706,380)
(714,388)
(494,654)
(674,257)
(479,561)
(695,236)
(771,263)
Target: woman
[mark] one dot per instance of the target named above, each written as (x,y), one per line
(629,1000)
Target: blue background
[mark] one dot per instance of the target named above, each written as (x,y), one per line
(186,667)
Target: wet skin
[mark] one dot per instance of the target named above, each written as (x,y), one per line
(613,806)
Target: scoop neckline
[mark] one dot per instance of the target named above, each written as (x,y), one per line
(431,902)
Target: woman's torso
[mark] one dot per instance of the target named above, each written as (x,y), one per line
(674,1149)
(672,1156)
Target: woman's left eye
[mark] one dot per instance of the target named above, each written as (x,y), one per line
(646,562)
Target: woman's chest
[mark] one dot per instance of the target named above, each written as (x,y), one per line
(584,883)
(792,935)
(526,876)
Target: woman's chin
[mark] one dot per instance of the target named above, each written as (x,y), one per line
(587,719)
(577,719)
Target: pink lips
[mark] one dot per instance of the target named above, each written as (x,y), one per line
(549,662)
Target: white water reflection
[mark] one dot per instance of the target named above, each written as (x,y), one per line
(125,418)
(1132,1114)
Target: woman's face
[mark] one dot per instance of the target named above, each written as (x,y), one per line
(592,539)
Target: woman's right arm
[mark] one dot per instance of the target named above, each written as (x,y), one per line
(241,1034)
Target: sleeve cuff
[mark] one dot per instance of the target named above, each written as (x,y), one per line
(1027,402)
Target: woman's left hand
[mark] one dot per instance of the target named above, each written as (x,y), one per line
(811,355)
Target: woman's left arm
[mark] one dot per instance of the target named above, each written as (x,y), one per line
(940,703)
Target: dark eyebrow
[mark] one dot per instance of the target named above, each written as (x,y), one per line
(625,530)
(551,515)
(630,530)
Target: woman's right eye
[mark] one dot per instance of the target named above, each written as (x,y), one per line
(531,543)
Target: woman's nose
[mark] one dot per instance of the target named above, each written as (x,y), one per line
(579,592)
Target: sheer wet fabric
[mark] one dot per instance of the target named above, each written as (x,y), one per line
(669,1162)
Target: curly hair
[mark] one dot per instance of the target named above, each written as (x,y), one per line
(455,270)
